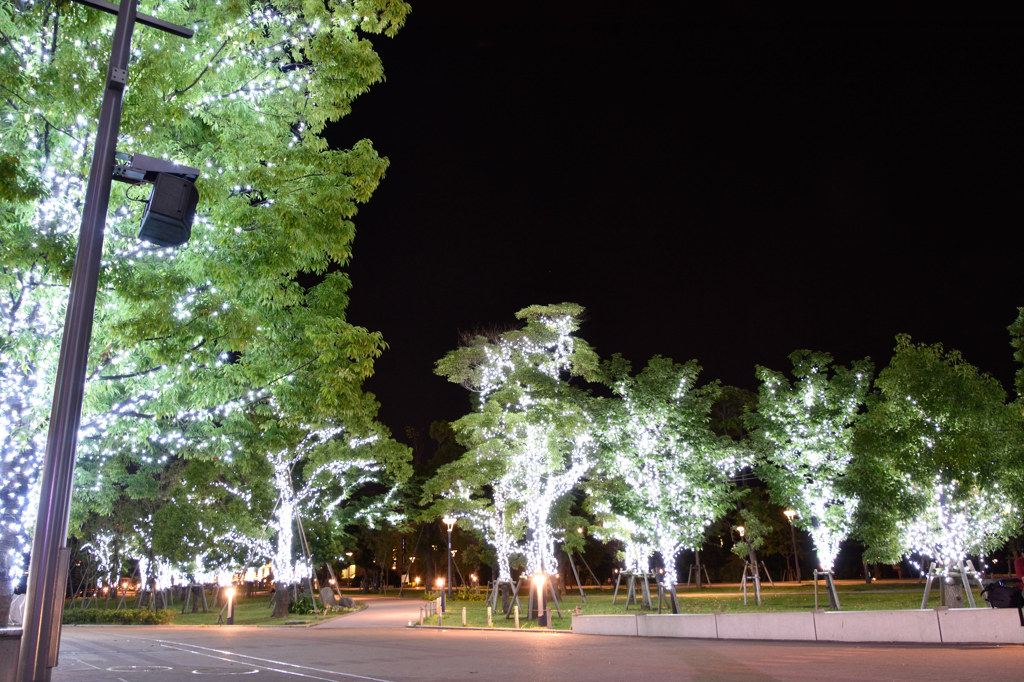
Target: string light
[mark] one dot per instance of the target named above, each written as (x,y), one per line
(806,429)
(675,473)
(162,386)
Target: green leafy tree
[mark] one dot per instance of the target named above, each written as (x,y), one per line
(804,431)
(932,459)
(532,422)
(674,471)
(188,340)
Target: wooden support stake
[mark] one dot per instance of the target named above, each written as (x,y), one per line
(577,575)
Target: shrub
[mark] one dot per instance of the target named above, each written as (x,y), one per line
(302,606)
(121,617)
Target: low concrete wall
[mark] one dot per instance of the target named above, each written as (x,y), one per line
(788,626)
(10,648)
(930,626)
(979,626)
(605,625)
(694,626)
(878,626)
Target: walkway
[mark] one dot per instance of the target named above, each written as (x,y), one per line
(375,645)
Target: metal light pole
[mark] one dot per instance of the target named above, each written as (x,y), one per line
(44,605)
(790,514)
(450,522)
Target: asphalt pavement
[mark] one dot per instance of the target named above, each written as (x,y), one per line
(376,644)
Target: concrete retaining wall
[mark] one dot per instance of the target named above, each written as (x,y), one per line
(927,626)
(878,626)
(993,626)
(697,626)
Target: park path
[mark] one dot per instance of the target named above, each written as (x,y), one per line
(380,612)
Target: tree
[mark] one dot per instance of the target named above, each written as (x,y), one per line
(186,340)
(932,457)
(484,492)
(532,423)
(674,471)
(804,433)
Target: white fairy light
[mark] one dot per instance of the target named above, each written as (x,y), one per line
(676,473)
(540,440)
(238,70)
(807,430)
(958,521)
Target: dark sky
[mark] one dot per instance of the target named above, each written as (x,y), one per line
(722,184)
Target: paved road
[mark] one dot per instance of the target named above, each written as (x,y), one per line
(375,645)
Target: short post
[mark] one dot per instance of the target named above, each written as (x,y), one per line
(230,592)
(421,615)
(463,616)
(489,617)
(515,610)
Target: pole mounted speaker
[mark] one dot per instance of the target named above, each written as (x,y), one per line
(167,219)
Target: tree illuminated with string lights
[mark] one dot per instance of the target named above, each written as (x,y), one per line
(804,431)
(672,473)
(188,341)
(936,463)
(532,425)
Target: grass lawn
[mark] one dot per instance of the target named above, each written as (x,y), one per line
(853,596)
(248,611)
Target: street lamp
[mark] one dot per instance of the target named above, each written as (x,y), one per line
(48,567)
(791,514)
(450,522)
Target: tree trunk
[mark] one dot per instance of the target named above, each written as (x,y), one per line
(952,595)
(282,599)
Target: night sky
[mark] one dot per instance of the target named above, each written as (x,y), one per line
(721,184)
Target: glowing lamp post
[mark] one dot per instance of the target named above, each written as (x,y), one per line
(230,593)
(791,514)
(538,583)
(450,522)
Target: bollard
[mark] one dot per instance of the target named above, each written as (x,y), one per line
(421,615)
(439,616)
(516,611)
(489,617)
(463,616)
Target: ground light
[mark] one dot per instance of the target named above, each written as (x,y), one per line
(542,612)
(230,593)
(440,585)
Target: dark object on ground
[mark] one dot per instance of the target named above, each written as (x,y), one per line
(1005,594)
(346,602)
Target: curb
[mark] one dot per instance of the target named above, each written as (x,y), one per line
(459,628)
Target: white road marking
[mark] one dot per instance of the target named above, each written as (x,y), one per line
(188,648)
(78,660)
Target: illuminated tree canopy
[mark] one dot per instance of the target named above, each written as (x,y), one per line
(804,433)
(187,341)
(672,472)
(532,423)
(933,457)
